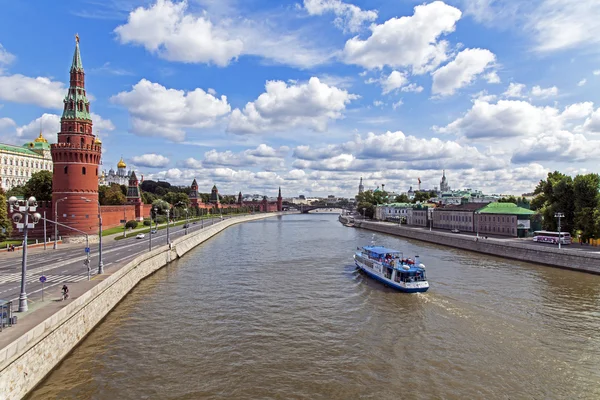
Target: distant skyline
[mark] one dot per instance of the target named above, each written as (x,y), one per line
(310,95)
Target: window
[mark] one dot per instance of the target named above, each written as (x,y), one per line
(96,171)
(68,139)
(83,170)
(81,129)
(66,170)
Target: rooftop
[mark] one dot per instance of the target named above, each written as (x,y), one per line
(505,208)
(463,207)
(18,149)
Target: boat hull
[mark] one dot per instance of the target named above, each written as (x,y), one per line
(409,287)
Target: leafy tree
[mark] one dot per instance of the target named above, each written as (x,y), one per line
(177,199)
(148,198)
(402,198)
(131,224)
(123,189)
(5,222)
(40,186)
(509,199)
(369,209)
(111,195)
(161,205)
(18,191)
(555,194)
(423,196)
(587,201)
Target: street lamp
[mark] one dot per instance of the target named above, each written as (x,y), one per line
(477,222)
(168,237)
(364,217)
(24,207)
(186,220)
(56,221)
(559,215)
(100,263)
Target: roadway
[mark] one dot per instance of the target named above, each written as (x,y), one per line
(66,264)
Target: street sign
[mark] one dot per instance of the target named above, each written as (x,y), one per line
(42,279)
(87,249)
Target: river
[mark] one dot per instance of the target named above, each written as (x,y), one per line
(275,309)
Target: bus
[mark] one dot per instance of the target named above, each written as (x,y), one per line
(551,237)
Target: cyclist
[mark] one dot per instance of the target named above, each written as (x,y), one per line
(65,292)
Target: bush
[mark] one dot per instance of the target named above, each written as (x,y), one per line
(131,224)
(147,222)
(160,219)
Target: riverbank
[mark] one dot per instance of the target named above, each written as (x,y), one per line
(26,360)
(564,258)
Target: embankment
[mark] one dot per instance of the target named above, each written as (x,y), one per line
(565,258)
(26,361)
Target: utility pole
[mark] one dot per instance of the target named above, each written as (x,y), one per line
(559,215)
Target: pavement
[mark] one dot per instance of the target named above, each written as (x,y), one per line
(65,265)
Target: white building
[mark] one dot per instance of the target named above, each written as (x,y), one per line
(121,177)
(17,164)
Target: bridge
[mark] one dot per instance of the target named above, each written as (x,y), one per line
(305,208)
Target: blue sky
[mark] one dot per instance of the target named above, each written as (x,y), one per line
(311,95)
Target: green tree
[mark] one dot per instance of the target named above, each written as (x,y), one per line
(176,199)
(587,201)
(40,186)
(509,199)
(111,195)
(423,197)
(402,198)
(553,195)
(161,205)
(18,191)
(5,222)
(366,208)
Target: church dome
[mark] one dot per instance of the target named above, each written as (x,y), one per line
(121,164)
(41,139)
(97,141)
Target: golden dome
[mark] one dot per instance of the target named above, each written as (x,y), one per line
(121,164)
(97,141)
(41,139)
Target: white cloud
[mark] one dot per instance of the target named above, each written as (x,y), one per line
(412,87)
(514,90)
(158,111)
(349,17)
(407,41)
(557,146)
(397,104)
(378,103)
(282,107)
(461,71)
(265,157)
(577,111)
(564,24)
(395,80)
(492,77)
(5,58)
(507,118)
(592,124)
(484,96)
(582,82)
(150,160)
(166,29)
(169,30)
(40,91)
(596,72)
(538,91)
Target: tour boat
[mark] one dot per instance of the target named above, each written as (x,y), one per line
(391,268)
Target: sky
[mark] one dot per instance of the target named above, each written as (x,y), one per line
(311,95)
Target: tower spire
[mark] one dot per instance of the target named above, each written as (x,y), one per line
(76,65)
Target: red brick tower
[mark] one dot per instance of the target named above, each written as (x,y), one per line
(279,201)
(76,157)
(134,196)
(194,197)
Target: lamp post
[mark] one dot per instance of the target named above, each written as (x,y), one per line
(477,222)
(363,209)
(100,262)
(168,237)
(202,217)
(559,215)
(186,220)
(56,221)
(24,207)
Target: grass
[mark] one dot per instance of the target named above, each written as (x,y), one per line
(15,242)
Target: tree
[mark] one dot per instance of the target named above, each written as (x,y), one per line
(5,222)
(161,205)
(111,195)
(509,199)
(422,197)
(177,199)
(369,209)
(402,198)
(18,191)
(131,224)
(553,195)
(40,186)
(586,201)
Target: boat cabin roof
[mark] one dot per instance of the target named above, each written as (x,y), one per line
(380,250)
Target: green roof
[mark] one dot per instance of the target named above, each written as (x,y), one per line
(37,146)
(76,64)
(505,208)
(17,149)
(398,205)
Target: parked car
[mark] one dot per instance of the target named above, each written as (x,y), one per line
(153,231)
(186,226)
(140,236)
(455,231)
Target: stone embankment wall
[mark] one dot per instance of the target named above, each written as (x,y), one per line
(25,362)
(564,258)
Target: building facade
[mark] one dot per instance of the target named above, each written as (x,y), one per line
(17,164)
(444,185)
(120,177)
(461,217)
(396,212)
(504,219)
(76,157)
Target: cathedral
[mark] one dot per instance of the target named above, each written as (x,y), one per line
(120,177)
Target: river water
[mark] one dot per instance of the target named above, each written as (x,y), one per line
(274,309)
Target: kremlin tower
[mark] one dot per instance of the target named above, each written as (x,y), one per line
(76,157)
